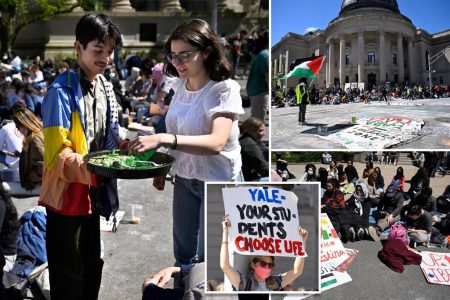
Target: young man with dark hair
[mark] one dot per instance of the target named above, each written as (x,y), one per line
(79,115)
(418,223)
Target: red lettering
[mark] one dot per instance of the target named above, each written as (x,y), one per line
(330,255)
(237,243)
(277,246)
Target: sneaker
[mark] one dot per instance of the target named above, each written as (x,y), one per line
(351,234)
(374,234)
(412,244)
(361,233)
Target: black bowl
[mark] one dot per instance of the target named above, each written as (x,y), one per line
(164,159)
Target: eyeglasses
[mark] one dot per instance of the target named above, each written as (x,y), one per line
(266,264)
(183,57)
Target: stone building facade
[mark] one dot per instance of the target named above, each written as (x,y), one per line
(145,24)
(371,42)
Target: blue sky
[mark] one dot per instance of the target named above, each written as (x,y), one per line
(297,15)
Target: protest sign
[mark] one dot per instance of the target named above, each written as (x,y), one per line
(376,133)
(436,267)
(332,255)
(264,221)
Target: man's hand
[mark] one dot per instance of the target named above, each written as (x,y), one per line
(162,277)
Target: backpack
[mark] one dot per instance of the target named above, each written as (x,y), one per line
(398,232)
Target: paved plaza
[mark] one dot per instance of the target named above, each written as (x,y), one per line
(371,279)
(287,134)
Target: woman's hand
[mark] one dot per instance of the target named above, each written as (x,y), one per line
(303,233)
(226,223)
(161,278)
(143,143)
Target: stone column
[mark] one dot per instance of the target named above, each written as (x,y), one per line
(331,62)
(382,58)
(170,5)
(342,61)
(400,59)
(287,61)
(361,57)
(280,61)
(411,62)
(274,67)
(122,5)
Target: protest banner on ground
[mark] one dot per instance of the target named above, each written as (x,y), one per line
(436,267)
(332,255)
(264,221)
(376,133)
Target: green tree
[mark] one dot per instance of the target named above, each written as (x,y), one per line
(16,14)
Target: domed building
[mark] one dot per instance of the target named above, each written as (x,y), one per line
(369,42)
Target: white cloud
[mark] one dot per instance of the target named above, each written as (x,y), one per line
(311,29)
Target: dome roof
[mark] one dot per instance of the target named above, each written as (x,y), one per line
(350,5)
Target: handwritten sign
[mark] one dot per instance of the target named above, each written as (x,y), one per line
(376,133)
(436,267)
(264,221)
(332,255)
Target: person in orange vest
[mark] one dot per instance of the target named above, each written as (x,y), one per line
(302,93)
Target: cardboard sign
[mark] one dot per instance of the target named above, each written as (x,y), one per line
(332,255)
(376,133)
(436,267)
(264,221)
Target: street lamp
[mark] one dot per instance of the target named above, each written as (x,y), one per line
(432,60)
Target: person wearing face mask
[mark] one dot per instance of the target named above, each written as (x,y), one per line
(358,207)
(310,173)
(260,276)
(32,155)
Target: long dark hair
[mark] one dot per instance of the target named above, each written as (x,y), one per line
(199,34)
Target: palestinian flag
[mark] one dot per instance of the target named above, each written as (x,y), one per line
(308,69)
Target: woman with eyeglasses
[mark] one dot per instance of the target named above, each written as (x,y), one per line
(260,276)
(202,130)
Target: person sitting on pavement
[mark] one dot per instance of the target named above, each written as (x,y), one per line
(418,224)
(32,155)
(351,172)
(419,182)
(322,178)
(332,170)
(193,278)
(344,185)
(255,154)
(370,181)
(359,206)
(11,140)
(426,201)
(389,208)
(379,180)
(9,227)
(260,268)
(333,204)
(368,169)
(310,174)
(399,180)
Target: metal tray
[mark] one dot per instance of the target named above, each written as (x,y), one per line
(164,159)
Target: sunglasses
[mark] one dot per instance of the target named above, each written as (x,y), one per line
(265,264)
(183,57)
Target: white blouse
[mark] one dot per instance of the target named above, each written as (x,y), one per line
(191,113)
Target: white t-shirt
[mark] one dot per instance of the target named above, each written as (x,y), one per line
(191,113)
(11,140)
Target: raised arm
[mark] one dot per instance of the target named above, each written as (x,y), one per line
(299,263)
(227,269)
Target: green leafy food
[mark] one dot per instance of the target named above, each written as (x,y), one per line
(120,161)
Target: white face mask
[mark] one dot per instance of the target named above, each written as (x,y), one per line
(310,173)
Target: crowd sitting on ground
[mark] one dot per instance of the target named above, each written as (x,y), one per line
(382,93)
(363,208)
